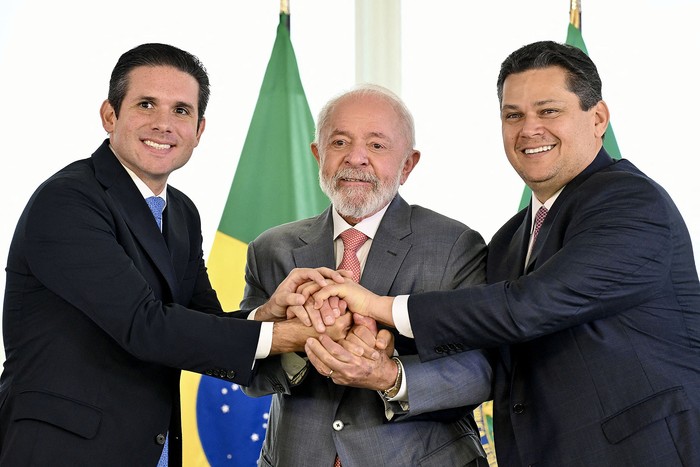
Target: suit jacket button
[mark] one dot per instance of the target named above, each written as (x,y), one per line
(338,425)
(160,439)
(230,374)
(518,408)
(208,372)
(439,349)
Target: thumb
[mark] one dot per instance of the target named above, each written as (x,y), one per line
(365,321)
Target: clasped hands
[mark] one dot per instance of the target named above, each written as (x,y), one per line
(329,312)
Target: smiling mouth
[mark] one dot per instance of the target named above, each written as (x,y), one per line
(155,145)
(538,150)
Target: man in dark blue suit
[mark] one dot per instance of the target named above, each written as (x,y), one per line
(105,304)
(592,306)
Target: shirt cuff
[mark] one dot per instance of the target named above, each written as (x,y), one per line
(402,395)
(264,341)
(251,315)
(294,366)
(399,312)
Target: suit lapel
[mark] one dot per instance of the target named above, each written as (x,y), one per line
(601,161)
(121,189)
(317,249)
(176,235)
(389,248)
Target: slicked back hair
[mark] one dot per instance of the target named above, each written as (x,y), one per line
(582,74)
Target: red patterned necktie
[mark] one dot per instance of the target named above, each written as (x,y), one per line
(352,241)
(539,219)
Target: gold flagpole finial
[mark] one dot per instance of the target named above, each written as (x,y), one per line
(575,13)
(284,7)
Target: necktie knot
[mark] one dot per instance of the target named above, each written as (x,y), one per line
(156,205)
(352,240)
(539,220)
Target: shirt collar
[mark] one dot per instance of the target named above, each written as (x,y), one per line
(367,226)
(547,204)
(142,187)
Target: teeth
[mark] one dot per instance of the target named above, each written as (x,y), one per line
(156,145)
(538,150)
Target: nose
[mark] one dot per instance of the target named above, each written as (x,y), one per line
(162,120)
(356,156)
(532,126)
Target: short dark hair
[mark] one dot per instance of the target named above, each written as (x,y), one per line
(157,55)
(582,74)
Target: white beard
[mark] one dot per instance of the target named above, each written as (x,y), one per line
(359,202)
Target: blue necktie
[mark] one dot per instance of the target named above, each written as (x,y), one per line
(163,461)
(156,204)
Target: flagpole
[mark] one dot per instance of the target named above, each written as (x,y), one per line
(284,10)
(575,14)
(378,43)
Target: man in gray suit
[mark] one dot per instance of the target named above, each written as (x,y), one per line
(374,410)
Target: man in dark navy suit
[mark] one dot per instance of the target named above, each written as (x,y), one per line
(593,302)
(104,303)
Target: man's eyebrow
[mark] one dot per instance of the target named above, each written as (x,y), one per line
(177,104)
(539,103)
(186,105)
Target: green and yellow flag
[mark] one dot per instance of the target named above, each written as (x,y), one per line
(276,181)
(575,38)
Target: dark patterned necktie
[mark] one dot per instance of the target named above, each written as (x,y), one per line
(539,219)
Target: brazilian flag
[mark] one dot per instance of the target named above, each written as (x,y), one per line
(276,181)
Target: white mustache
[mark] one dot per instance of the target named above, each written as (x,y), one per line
(355,174)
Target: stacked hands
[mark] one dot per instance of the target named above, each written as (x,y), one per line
(342,340)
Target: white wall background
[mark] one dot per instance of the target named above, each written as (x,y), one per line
(56,58)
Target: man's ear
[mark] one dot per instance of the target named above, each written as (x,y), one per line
(409,164)
(200,128)
(314,150)
(108,116)
(602,118)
